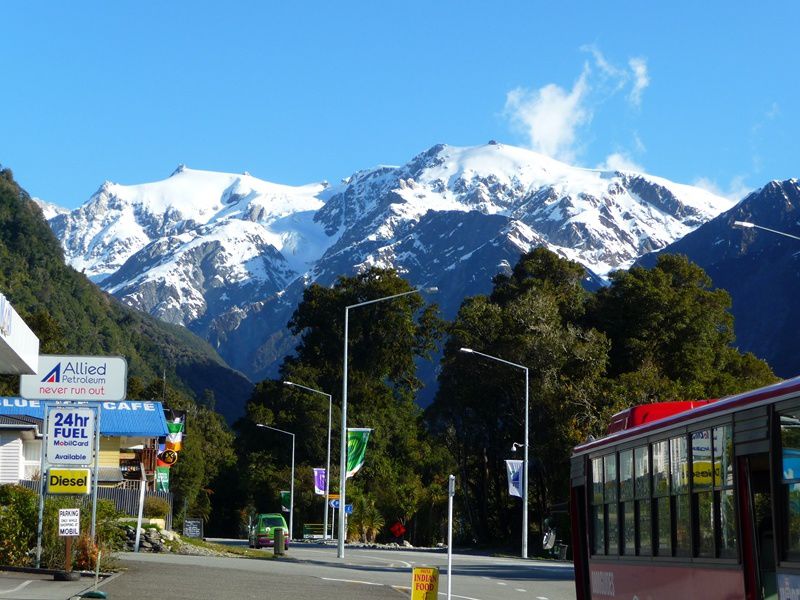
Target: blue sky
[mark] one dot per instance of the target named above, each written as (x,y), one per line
(697,92)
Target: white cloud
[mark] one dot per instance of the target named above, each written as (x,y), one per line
(736,189)
(641,80)
(620,161)
(551,116)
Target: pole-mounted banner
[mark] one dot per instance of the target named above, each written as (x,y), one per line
(357,439)
(514,468)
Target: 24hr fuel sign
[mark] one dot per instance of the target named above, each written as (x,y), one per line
(70,435)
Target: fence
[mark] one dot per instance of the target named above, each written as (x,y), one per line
(126,500)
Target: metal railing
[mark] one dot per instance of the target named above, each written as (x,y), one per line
(126,500)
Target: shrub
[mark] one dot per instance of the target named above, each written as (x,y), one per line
(155,508)
(18,519)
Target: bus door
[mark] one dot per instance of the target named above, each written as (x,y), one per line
(758,536)
(580,542)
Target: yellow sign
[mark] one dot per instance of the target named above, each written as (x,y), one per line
(68,481)
(424,583)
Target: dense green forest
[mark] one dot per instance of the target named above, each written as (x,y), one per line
(649,336)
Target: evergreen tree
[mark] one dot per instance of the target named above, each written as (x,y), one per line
(385,339)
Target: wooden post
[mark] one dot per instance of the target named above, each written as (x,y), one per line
(68,558)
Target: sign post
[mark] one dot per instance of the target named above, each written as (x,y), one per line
(451,491)
(73,385)
(69,526)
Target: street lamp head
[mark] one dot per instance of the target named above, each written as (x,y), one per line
(430,290)
(289,383)
(516,445)
(466,350)
(744,224)
(261,425)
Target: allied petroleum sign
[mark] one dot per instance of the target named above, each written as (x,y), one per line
(68,481)
(70,435)
(76,378)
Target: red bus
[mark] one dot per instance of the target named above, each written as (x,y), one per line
(692,500)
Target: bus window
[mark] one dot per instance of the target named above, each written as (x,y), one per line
(679,463)
(662,502)
(612,520)
(790,448)
(723,495)
(598,508)
(644,520)
(703,484)
(627,511)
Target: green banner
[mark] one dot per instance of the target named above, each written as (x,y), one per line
(162,479)
(286,501)
(356,449)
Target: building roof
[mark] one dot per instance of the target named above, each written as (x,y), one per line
(127,418)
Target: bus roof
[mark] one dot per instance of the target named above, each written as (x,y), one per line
(648,413)
(706,408)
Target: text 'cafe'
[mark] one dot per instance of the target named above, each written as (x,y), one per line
(129,433)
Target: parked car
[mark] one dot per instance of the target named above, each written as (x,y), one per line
(262,530)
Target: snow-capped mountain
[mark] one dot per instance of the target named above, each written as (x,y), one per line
(229,255)
(171,247)
(758,268)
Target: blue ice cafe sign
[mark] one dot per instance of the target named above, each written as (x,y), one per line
(70,435)
(76,378)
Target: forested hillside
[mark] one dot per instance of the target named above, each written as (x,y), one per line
(73,316)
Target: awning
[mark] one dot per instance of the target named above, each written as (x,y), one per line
(127,418)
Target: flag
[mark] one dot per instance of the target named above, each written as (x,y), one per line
(175,425)
(319,481)
(162,479)
(286,501)
(356,449)
(514,468)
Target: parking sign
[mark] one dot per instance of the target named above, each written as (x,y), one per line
(69,521)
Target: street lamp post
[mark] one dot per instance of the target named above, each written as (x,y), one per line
(343,457)
(748,225)
(291,485)
(525,445)
(328,459)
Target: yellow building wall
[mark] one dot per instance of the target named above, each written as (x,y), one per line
(109,451)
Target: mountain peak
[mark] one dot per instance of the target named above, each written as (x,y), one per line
(179,169)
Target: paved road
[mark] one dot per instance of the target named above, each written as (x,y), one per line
(37,586)
(315,572)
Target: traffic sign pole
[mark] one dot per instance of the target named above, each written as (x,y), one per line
(451,491)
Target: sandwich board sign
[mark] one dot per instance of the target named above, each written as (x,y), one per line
(76,378)
(424,583)
(70,435)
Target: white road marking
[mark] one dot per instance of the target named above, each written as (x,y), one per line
(501,583)
(540,597)
(18,588)
(391,562)
(352,581)
(405,587)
